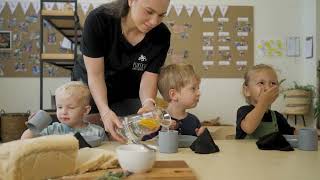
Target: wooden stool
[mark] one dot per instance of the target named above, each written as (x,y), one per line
(295,118)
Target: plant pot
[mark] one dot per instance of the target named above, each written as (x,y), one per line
(297,101)
(297,93)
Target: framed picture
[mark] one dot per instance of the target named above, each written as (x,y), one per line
(5,40)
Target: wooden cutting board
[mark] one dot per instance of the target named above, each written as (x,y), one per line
(173,170)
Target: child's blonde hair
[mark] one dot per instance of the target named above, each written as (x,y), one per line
(250,72)
(175,76)
(75,88)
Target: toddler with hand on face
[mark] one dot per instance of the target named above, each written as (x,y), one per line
(261,89)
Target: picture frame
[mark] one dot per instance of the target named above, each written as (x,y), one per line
(5,40)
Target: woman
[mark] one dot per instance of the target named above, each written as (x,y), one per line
(124,44)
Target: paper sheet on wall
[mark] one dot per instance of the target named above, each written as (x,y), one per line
(293,46)
(309,47)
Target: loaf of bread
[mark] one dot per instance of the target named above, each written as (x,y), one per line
(38,158)
(91,159)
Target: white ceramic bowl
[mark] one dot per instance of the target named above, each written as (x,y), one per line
(135,158)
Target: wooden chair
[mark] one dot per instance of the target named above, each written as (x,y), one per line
(222,132)
(295,118)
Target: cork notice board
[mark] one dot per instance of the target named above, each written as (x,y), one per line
(217,46)
(22,60)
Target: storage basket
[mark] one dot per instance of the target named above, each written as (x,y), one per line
(297,101)
(12,125)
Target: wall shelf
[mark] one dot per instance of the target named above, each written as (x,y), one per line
(67,23)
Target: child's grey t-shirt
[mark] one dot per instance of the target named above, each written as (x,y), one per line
(60,128)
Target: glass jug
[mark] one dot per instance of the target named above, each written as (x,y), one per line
(138,125)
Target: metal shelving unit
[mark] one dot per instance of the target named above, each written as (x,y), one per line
(67,23)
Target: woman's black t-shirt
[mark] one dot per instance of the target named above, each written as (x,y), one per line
(124,63)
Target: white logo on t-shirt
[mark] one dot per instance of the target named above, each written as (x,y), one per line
(142,58)
(140,65)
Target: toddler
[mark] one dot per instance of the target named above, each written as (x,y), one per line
(179,86)
(261,89)
(73,103)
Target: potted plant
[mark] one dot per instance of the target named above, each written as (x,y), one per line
(298,99)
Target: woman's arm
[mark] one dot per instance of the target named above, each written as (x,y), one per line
(96,82)
(98,89)
(148,91)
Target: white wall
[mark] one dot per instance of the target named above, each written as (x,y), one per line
(23,94)
(318,30)
(274,19)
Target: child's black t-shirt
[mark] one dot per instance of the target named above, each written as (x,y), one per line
(188,125)
(124,63)
(242,112)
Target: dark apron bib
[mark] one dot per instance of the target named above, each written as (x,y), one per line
(265,128)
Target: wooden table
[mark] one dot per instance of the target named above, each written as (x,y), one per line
(241,159)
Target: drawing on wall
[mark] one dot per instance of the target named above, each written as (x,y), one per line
(5,40)
(270,48)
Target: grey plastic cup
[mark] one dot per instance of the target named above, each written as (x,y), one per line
(168,141)
(308,139)
(39,121)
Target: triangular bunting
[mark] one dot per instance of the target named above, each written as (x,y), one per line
(73,6)
(60,5)
(12,5)
(189,8)
(201,9)
(169,9)
(212,9)
(36,6)
(85,7)
(25,6)
(178,8)
(49,5)
(223,10)
(2,4)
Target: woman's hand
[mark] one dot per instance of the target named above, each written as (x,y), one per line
(111,123)
(146,107)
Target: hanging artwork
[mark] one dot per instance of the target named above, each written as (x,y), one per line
(271,48)
(5,40)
